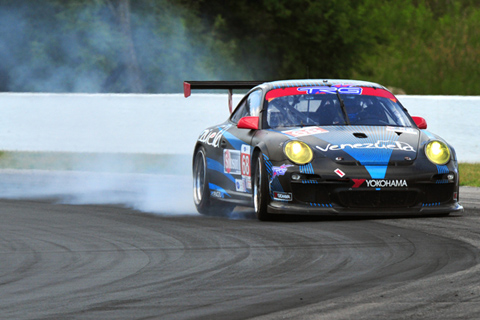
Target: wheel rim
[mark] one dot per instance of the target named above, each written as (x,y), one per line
(199,173)
(257,186)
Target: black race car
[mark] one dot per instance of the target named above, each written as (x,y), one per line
(321,147)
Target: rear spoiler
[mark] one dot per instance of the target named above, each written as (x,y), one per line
(227,85)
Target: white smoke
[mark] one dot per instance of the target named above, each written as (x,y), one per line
(41,53)
(45,48)
(154,193)
(129,150)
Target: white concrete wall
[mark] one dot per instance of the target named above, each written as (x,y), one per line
(170,123)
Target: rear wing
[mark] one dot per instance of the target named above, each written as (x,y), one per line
(227,85)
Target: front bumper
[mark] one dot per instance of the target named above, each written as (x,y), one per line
(276,207)
(405,191)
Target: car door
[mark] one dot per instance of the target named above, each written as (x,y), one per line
(235,145)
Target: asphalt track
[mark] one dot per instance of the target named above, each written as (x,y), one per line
(60,261)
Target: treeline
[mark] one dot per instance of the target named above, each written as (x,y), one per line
(151,46)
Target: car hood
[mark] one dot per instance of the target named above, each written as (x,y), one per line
(367,145)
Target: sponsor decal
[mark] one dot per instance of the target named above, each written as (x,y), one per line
(380,183)
(358,182)
(245,159)
(248,182)
(402,129)
(386,183)
(307,131)
(331,90)
(280,171)
(282,196)
(240,185)
(345,88)
(340,173)
(217,191)
(231,161)
(212,137)
(380,144)
(216,194)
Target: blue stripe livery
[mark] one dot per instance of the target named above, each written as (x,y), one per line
(374,160)
(217,166)
(217,188)
(442,169)
(234,141)
(308,168)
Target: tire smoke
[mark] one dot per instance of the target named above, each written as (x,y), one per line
(153,193)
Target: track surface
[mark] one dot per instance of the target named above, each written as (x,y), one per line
(105,262)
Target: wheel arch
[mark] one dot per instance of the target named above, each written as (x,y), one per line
(260,148)
(197,146)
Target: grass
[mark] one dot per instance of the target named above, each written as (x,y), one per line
(469,174)
(97,162)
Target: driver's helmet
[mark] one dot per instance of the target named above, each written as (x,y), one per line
(353,107)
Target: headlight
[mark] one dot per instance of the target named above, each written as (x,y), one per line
(437,152)
(298,152)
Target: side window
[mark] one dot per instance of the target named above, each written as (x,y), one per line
(254,102)
(240,112)
(250,106)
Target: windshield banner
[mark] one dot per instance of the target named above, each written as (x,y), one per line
(341,89)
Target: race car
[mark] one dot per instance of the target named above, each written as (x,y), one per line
(321,147)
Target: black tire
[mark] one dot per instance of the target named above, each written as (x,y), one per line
(201,190)
(261,194)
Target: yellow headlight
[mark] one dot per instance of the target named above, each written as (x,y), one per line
(437,152)
(298,152)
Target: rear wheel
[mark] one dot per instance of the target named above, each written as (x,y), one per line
(201,190)
(260,190)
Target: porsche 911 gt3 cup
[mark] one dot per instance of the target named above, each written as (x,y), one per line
(322,147)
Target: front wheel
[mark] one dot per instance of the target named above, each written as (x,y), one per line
(260,190)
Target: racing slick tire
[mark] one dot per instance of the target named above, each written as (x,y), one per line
(260,190)
(201,190)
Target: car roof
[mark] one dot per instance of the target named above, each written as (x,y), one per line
(317,82)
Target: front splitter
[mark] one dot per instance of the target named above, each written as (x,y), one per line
(277,207)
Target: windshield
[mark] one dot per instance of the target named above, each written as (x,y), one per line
(300,106)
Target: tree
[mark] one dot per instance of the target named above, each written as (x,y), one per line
(121,10)
(294,38)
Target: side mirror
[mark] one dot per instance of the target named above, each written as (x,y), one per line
(420,122)
(248,123)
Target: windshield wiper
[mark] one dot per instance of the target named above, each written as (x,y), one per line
(342,104)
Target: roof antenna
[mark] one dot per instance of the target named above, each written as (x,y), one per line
(308,73)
